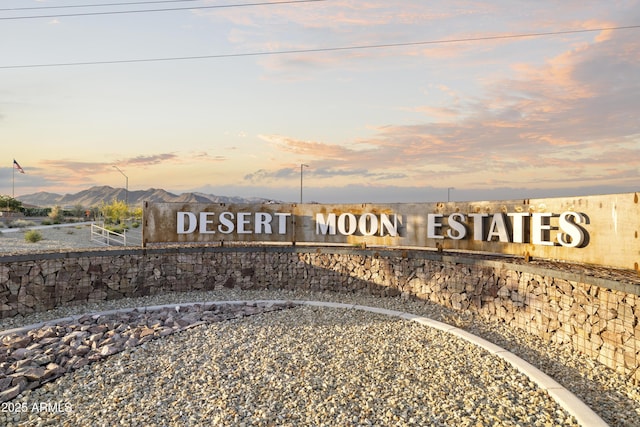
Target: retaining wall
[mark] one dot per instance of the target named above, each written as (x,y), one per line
(568,304)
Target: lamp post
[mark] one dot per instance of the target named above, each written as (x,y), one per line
(302,165)
(126,190)
(449,193)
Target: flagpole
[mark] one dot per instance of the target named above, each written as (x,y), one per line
(13,177)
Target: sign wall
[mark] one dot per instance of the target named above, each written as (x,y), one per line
(600,230)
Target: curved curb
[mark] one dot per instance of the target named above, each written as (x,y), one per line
(567,400)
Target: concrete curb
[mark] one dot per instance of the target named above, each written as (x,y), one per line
(567,400)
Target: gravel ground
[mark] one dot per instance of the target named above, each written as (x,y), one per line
(612,396)
(127,382)
(56,238)
(302,366)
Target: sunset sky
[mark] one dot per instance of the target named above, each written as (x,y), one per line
(384,100)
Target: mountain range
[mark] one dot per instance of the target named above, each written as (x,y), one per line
(96,196)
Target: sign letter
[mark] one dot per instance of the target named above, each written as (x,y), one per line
(457,230)
(192,220)
(574,235)
(541,229)
(325,225)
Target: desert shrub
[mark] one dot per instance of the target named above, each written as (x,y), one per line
(36,211)
(116,228)
(10,203)
(32,236)
(21,223)
(137,214)
(78,211)
(114,213)
(56,215)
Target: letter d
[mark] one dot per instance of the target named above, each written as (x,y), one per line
(193,223)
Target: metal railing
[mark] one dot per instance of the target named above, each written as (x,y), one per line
(107,237)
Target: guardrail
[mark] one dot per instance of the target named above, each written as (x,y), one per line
(107,237)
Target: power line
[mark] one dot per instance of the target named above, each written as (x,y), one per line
(173,9)
(320,50)
(13,9)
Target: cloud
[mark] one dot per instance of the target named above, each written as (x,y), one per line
(72,173)
(206,157)
(570,119)
(264,175)
(61,175)
(74,168)
(78,168)
(170,158)
(339,24)
(320,173)
(149,160)
(307,148)
(366,193)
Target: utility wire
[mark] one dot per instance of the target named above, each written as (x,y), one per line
(134,3)
(173,9)
(326,49)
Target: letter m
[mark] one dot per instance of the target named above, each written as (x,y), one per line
(325,225)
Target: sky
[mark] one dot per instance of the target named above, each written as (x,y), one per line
(383,100)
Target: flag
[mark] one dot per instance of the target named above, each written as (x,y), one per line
(17,166)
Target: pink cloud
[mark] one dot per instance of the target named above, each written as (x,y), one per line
(569,119)
(149,159)
(308,148)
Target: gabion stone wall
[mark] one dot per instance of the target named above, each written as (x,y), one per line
(590,310)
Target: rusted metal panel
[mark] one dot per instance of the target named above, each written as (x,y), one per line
(600,230)
(217,222)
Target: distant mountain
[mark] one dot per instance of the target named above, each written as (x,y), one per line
(43,199)
(96,196)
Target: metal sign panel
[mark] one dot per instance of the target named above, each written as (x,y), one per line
(217,222)
(601,230)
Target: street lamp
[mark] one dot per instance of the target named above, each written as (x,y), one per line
(302,165)
(449,193)
(126,190)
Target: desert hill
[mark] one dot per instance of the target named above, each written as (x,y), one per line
(96,196)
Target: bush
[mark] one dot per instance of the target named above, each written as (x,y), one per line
(119,228)
(32,236)
(36,211)
(10,203)
(137,214)
(56,215)
(21,223)
(115,213)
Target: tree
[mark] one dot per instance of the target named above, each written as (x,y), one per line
(10,204)
(78,211)
(137,214)
(56,215)
(115,212)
